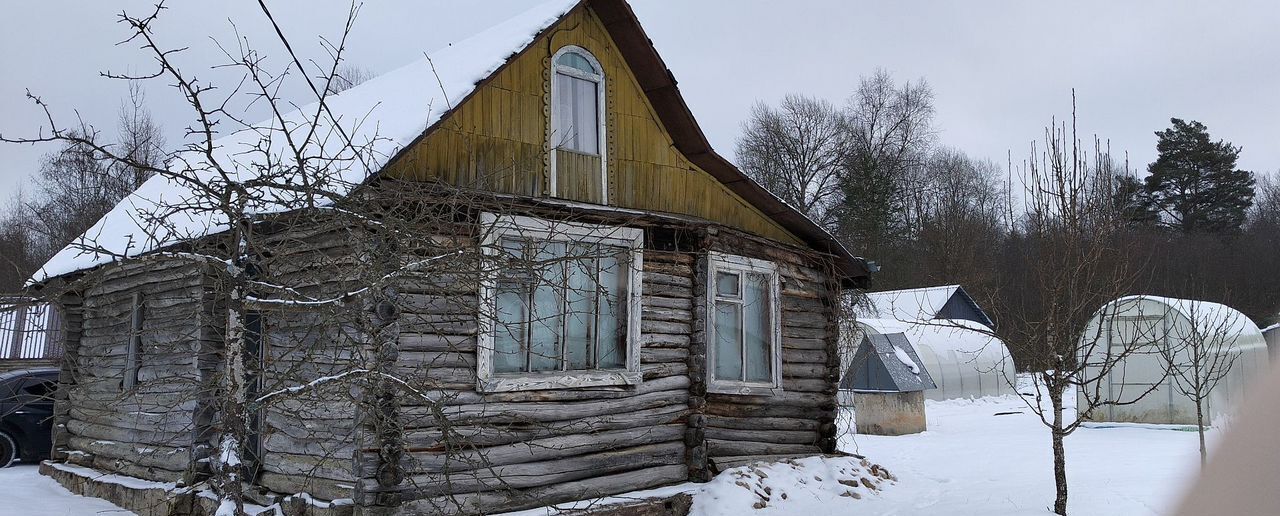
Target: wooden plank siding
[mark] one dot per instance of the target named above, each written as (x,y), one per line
(497,140)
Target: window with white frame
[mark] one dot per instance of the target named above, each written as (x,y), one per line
(577,92)
(743,325)
(579,165)
(561,305)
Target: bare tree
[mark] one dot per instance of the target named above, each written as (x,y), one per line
(892,131)
(958,210)
(797,151)
(347,77)
(1200,355)
(1069,261)
(77,184)
(17,256)
(1265,212)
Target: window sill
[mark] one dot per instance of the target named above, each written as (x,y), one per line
(557,380)
(743,388)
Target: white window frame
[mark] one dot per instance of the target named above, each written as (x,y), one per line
(494,228)
(601,120)
(721,262)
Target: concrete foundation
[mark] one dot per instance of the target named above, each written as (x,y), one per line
(146,498)
(889,413)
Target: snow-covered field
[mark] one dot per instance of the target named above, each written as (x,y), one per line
(970,462)
(23,490)
(973,462)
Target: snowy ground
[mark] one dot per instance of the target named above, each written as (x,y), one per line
(969,462)
(23,490)
(973,462)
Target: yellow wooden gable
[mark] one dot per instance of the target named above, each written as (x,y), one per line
(497,139)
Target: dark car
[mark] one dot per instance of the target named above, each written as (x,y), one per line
(26,414)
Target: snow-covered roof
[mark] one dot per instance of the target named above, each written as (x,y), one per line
(1207,316)
(385,115)
(917,304)
(381,116)
(941,335)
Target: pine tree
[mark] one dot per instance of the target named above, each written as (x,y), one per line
(1194,183)
(1131,201)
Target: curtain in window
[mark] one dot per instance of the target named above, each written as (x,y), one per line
(743,324)
(755,294)
(576,122)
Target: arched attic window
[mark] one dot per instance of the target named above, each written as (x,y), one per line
(577,126)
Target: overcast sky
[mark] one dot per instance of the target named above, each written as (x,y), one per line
(999,69)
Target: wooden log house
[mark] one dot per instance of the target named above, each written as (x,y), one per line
(712,333)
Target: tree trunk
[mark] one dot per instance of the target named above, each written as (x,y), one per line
(1059,454)
(228,464)
(1200,430)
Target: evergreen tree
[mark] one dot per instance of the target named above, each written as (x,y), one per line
(1130,200)
(1194,183)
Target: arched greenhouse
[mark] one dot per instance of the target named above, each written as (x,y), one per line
(1154,333)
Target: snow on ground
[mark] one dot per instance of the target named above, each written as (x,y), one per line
(971,461)
(808,486)
(25,491)
(974,462)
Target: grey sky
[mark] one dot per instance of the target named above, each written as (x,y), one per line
(999,69)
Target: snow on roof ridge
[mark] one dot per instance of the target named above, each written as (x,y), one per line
(905,290)
(384,115)
(1209,314)
(910,304)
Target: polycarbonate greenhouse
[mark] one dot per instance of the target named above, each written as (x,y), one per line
(1154,332)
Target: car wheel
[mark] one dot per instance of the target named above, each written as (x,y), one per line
(8,450)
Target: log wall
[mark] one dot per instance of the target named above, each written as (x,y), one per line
(478,453)
(474,452)
(733,429)
(308,437)
(144,431)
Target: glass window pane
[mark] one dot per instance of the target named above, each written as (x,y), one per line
(728,328)
(726,284)
(612,343)
(586,124)
(509,332)
(546,316)
(758,318)
(577,61)
(580,308)
(562,134)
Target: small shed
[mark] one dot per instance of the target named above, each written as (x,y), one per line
(1156,328)
(887,381)
(962,358)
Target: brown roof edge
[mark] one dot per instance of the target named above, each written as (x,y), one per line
(659,85)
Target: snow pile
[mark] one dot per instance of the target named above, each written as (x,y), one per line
(812,485)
